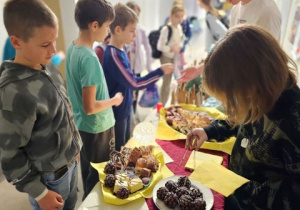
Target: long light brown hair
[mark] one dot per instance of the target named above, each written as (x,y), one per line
(248,71)
(211,9)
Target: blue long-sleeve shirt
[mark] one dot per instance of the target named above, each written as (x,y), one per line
(120,78)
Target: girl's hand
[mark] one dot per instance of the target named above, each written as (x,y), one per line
(195,139)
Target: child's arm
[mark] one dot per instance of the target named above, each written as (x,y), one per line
(123,74)
(90,76)
(92,106)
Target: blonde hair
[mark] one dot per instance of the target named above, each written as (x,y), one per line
(178,2)
(248,71)
(211,9)
(133,5)
(177,8)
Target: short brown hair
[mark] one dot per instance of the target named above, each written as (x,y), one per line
(21,17)
(87,11)
(248,71)
(124,16)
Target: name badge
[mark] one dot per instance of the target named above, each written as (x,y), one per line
(244,143)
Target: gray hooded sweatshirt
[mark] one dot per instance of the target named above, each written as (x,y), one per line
(37,128)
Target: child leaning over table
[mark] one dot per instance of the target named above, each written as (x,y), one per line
(88,89)
(39,140)
(249,72)
(118,73)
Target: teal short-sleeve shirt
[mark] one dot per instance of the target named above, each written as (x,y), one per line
(83,69)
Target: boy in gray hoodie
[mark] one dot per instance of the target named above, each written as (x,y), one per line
(39,141)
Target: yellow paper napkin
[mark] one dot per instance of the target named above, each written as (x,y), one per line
(166,132)
(198,157)
(218,178)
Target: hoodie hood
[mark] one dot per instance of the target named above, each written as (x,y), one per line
(10,71)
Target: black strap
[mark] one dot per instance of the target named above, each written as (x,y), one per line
(208,26)
(169,33)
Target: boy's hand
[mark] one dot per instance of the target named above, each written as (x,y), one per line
(175,48)
(167,68)
(51,200)
(118,98)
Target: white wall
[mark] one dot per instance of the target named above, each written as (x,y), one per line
(70,29)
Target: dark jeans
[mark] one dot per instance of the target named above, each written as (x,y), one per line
(122,132)
(96,148)
(66,186)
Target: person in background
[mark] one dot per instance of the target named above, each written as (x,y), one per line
(185,25)
(9,51)
(170,48)
(215,29)
(100,48)
(264,13)
(88,90)
(118,72)
(139,60)
(39,140)
(250,73)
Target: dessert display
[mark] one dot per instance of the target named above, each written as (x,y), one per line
(184,120)
(109,181)
(199,204)
(185,202)
(184,182)
(123,193)
(162,192)
(171,200)
(181,194)
(171,186)
(130,170)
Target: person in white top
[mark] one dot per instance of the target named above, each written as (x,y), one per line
(215,29)
(264,13)
(170,47)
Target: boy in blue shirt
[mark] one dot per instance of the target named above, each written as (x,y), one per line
(118,73)
(88,89)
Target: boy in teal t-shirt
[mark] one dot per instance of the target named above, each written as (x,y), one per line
(87,88)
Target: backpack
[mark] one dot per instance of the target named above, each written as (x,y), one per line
(153,39)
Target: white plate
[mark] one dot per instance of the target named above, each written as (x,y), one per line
(207,194)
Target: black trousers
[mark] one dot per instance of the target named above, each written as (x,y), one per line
(96,148)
